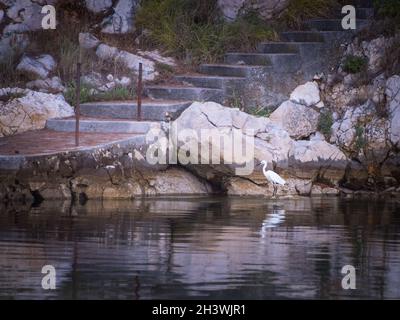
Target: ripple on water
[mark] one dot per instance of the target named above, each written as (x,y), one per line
(222,248)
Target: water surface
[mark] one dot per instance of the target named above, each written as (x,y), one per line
(208,248)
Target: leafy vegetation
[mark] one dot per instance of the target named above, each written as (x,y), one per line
(194,32)
(388,8)
(354,64)
(88,94)
(325,123)
(10,97)
(300,10)
(261,111)
(360,141)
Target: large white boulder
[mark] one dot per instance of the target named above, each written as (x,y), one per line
(298,120)
(30,111)
(37,67)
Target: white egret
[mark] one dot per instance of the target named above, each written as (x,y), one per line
(272,177)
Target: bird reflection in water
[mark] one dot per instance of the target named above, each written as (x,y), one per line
(272,220)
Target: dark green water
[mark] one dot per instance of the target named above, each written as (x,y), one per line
(209,248)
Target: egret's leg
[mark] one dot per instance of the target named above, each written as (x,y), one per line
(275,190)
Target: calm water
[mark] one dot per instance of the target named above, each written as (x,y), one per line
(209,248)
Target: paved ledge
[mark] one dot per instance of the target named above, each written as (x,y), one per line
(15,150)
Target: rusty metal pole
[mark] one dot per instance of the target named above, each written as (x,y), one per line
(139,93)
(78,103)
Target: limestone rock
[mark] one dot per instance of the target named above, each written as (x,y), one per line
(393,100)
(298,120)
(98,6)
(26,16)
(122,20)
(10,44)
(37,67)
(51,85)
(158,57)
(307,94)
(88,41)
(267,8)
(31,111)
(360,130)
(128,60)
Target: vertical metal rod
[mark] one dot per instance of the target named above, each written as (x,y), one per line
(139,93)
(78,103)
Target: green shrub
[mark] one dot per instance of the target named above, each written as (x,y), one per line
(87,94)
(193,31)
(261,111)
(10,97)
(325,123)
(354,64)
(388,8)
(360,141)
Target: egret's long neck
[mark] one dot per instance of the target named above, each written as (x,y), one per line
(265,167)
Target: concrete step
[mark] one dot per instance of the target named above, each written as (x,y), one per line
(302,36)
(329,37)
(286,47)
(98,125)
(276,60)
(183,93)
(205,81)
(331,24)
(153,110)
(228,70)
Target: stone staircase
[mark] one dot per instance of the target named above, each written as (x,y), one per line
(280,66)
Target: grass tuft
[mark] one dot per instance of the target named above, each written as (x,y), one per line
(88,94)
(299,11)
(354,64)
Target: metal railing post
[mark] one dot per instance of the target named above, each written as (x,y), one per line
(78,103)
(139,93)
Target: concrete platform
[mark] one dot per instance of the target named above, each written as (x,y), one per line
(41,142)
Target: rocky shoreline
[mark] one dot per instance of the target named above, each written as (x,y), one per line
(120,170)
